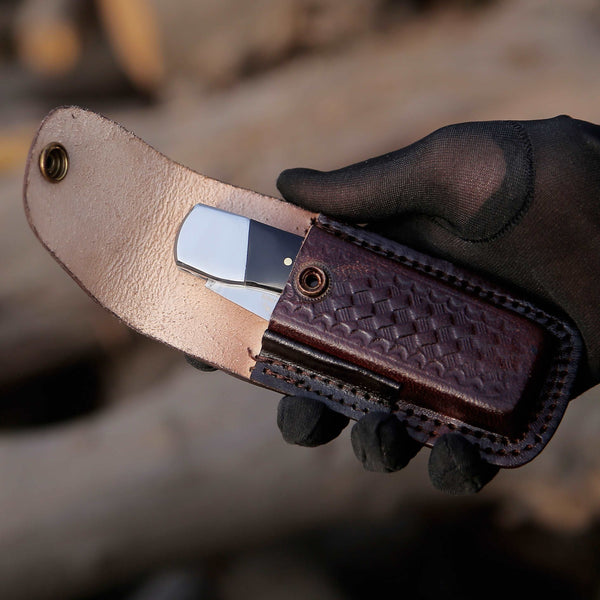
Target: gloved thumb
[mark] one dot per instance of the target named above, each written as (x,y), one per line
(472,177)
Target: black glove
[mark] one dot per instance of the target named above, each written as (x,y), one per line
(518,200)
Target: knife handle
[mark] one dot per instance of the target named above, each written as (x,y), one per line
(365,324)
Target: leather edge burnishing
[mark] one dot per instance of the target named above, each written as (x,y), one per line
(296,368)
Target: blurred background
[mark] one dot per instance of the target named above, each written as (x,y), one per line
(124,473)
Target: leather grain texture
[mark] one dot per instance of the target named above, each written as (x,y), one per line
(112,223)
(465,354)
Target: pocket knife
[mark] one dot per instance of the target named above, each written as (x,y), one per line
(243,260)
(297,302)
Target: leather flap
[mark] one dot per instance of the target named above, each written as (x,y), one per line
(112,224)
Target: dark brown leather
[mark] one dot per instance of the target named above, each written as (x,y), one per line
(397,331)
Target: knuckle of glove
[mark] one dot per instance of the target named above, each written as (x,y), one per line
(308,422)
(456,468)
(381,443)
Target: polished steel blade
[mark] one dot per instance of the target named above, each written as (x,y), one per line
(213,243)
(259,301)
(243,260)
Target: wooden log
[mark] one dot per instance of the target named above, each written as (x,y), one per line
(193,470)
(215,42)
(196,468)
(47,36)
(133,32)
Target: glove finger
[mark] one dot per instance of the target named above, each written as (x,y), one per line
(198,364)
(381,443)
(455,466)
(308,422)
(475,177)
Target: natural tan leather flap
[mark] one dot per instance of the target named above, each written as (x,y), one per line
(112,224)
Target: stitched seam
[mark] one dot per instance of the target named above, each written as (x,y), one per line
(455,281)
(522,133)
(330,396)
(527,200)
(437,422)
(349,389)
(304,386)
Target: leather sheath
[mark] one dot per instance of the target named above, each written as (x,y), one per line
(363,324)
(442,349)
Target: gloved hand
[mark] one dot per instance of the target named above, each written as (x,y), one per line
(516,200)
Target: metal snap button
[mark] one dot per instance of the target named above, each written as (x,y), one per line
(54,162)
(313,281)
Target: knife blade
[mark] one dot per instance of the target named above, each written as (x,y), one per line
(243,260)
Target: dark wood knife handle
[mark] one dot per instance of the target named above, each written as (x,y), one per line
(366,324)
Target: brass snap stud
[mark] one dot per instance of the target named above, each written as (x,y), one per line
(54,162)
(313,281)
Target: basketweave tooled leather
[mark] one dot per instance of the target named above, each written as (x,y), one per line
(451,351)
